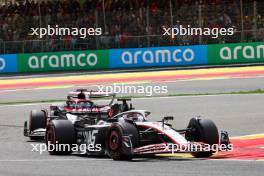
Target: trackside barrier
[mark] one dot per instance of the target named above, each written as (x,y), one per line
(217,54)
(158,56)
(63,61)
(8,63)
(236,53)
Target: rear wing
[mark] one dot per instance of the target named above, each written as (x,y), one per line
(124,99)
(93,95)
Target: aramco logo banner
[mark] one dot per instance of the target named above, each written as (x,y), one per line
(236,53)
(8,63)
(158,56)
(218,54)
(63,61)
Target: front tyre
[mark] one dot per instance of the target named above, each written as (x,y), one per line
(203,130)
(37,120)
(120,141)
(60,137)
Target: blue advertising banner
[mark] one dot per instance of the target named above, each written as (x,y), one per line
(158,56)
(8,63)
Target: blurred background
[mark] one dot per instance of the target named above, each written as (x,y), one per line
(125,23)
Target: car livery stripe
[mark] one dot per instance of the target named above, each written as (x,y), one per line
(170,133)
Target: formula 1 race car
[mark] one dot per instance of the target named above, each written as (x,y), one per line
(130,134)
(97,105)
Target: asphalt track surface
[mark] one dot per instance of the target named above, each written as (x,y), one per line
(238,114)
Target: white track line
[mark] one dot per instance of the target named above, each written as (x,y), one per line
(26,104)
(55,159)
(108,159)
(242,160)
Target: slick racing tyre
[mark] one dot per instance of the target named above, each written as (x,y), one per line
(60,137)
(118,134)
(37,120)
(203,130)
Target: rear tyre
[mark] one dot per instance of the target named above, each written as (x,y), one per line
(204,130)
(60,137)
(37,120)
(117,136)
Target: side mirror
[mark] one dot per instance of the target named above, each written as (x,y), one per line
(166,118)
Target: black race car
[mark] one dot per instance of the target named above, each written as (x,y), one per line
(97,105)
(129,134)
